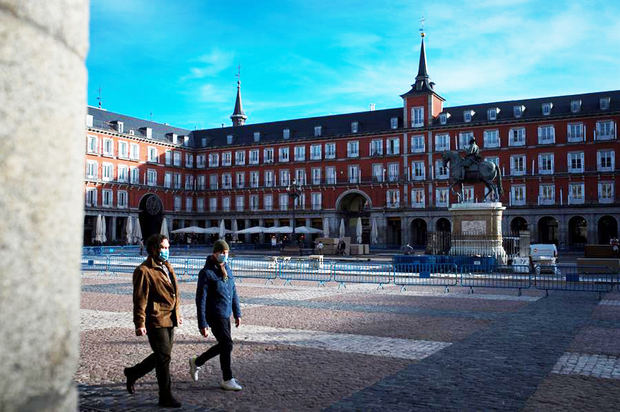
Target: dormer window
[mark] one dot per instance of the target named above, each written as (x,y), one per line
(203,142)
(229,139)
(131,132)
(317,131)
(467,115)
(354,127)
(120,127)
(604,103)
(492,113)
(443,118)
(185,140)
(89,120)
(175,138)
(546,108)
(148,132)
(257,136)
(286,133)
(518,111)
(394,122)
(575,106)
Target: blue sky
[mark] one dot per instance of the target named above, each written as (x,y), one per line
(176,61)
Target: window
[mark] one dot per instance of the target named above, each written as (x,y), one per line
(316,176)
(605,160)
(605,130)
(213,182)
(226,203)
(441,197)
(283,154)
(168,157)
(134,175)
(177,203)
(575,162)
(269,181)
(546,194)
(518,165)
(518,111)
(491,138)
(283,198)
(606,192)
(240,203)
(91,196)
(467,115)
(107,197)
(240,157)
(417,170)
(300,153)
(417,116)
(546,134)
(202,182)
(575,193)
(492,159)
(417,198)
(203,142)
(229,139)
(353,148)
(189,204)
(354,174)
(330,150)
(378,173)
(253,202)
(213,204)
(300,176)
(517,195)
(226,181)
(108,147)
(214,159)
(189,160)
(545,163)
(256,137)
(178,180)
(268,155)
(492,113)
(393,174)
(152,154)
(151,177)
(189,182)
(285,178)
(442,142)
(417,144)
(268,202)
(393,146)
(376,147)
(464,138)
(286,133)
(123,174)
(317,131)
(575,132)
(604,103)
(300,202)
(123,150)
(92,146)
(253,179)
(575,106)
(177,159)
(89,120)
(107,172)
(134,151)
(315,199)
(92,171)
(443,118)
(468,194)
(226,158)
(200,204)
(516,137)
(441,171)
(330,175)
(392,198)
(254,157)
(394,123)
(315,152)
(546,108)
(354,127)
(201,160)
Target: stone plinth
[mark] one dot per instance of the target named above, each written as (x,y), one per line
(477,230)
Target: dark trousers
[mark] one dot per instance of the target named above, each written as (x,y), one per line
(160,340)
(220,328)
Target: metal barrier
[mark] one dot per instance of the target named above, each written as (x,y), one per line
(254,268)
(512,277)
(123,264)
(575,278)
(95,263)
(425,274)
(362,272)
(304,269)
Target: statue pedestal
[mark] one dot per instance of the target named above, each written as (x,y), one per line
(477,230)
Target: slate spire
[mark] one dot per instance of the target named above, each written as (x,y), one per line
(422,80)
(238,117)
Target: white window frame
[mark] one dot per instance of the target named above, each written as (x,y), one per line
(226,181)
(575,162)
(269,178)
(518,165)
(189,204)
(123,149)
(546,134)
(392,146)
(268,155)
(418,144)
(226,203)
(417,116)
(609,155)
(517,136)
(442,142)
(213,204)
(418,170)
(354,127)
(107,198)
(316,201)
(330,150)
(92,169)
(240,158)
(286,133)
(376,147)
(546,194)
(122,172)
(92,144)
(576,193)
(316,175)
(214,159)
(575,106)
(122,199)
(214,182)
(394,123)
(442,197)
(491,138)
(285,177)
(609,132)
(354,175)
(178,203)
(417,198)
(546,163)
(134,175)
(108,147)
(378,173)
(226,158)
(606,192)
(546,108)
(518,194)
(268,202)
(317,131)
(392,198)
(315,152)
(107,172)
(353,148)
(91,196)
(283,201)
(300,153)
(575,132)
(284,154)
(152,154)
(464,138)
(151,177)
(253,160)
(240,203)
(331,176)
(200,204)
(254,178)
(441,171)
(393,172)
(253,203)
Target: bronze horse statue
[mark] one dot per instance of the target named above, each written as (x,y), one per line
(485,172)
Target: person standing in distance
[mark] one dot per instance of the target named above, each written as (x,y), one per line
(216,300)
(156,312)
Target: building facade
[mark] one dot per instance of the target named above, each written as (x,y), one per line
(557,156)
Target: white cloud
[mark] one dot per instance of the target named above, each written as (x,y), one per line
(210,64)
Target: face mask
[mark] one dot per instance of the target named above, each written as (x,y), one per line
(164,254)
(222,258)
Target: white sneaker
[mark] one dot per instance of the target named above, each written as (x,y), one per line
(193,369)
(231,385)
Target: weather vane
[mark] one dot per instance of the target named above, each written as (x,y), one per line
(99,97)
(238,75)
(422,26)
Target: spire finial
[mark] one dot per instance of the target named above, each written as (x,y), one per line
(99,97)
(422,26)
(238,117)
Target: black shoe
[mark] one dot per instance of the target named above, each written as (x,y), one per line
(169,402)
(130,381)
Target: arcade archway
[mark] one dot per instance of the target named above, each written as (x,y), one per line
(548,230)
(352,205)
(577,232)
(607,229)
(151,215)
(443,225)
(518,224)
(418,233)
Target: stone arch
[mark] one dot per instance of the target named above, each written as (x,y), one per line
(340,201)
(418,232)
(443,225)
(577,231)
(518,224)
(151,214)
(548,230)
(607,229)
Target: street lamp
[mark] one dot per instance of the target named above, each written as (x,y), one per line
(294,191)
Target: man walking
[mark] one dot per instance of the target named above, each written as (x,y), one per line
(216,300)
(156,311)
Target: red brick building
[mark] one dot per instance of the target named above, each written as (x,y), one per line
(557,156)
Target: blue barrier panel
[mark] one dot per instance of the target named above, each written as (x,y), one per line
(362,272)
(95,263)
(255,268)
(512,277)
(425,274)
(123,264)
(582,278)
(304,269)
(193,265)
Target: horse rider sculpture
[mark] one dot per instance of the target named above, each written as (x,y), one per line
(472,157)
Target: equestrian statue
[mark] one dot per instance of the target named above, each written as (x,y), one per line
(472,169)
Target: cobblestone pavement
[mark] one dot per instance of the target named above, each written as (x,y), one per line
(309,347)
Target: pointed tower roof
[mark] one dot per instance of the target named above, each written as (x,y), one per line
(423,82)
(238,117)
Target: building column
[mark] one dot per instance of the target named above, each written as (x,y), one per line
(248,237)
(261,236)
(43,95)
(113,228)
(562,232)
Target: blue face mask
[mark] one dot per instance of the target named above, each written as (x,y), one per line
(222,258)
(164,254)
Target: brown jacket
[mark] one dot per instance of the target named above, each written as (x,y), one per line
(156,302)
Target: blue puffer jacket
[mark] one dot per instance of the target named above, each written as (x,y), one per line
(216,297)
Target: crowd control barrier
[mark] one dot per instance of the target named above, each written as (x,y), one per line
(362,272)
(581,278)
(425,274)
(254,268)
(304,269)
(508,277)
